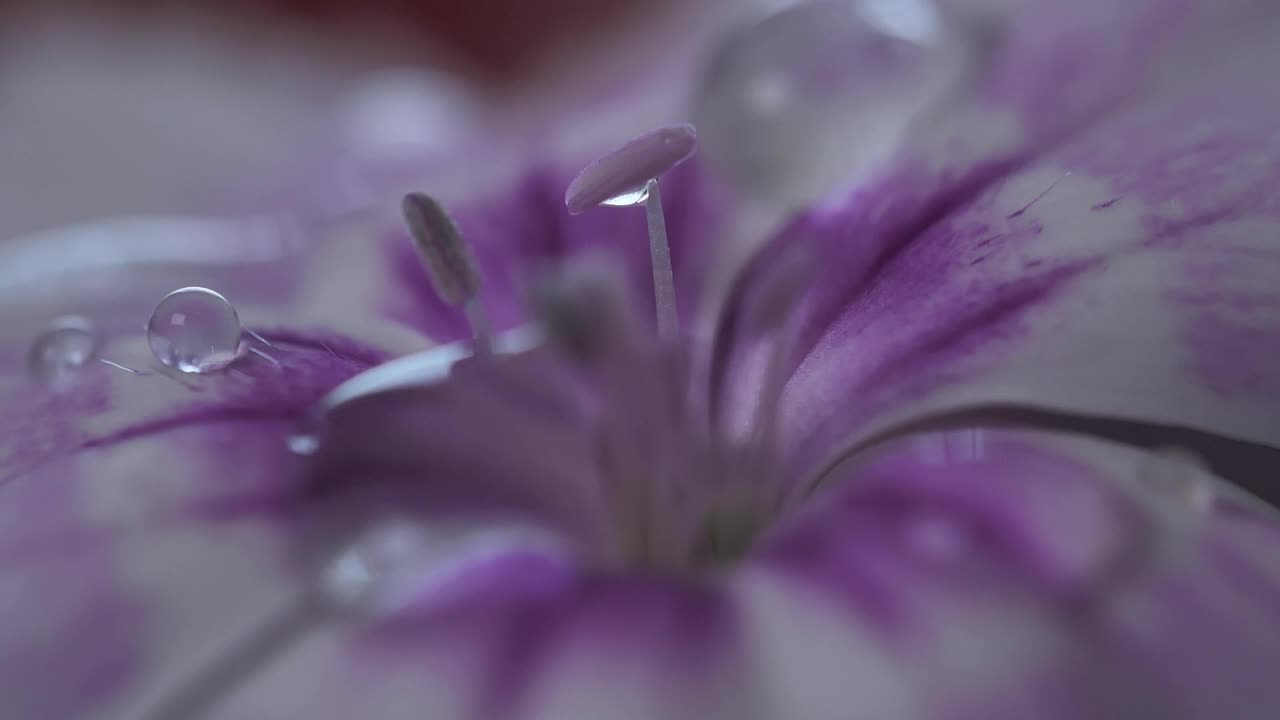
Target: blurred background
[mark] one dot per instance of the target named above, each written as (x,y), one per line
(135,107)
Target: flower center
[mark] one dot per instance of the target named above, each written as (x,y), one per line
(674,485)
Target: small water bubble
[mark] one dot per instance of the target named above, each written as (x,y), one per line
(194,330)
(631,197)
(59,353)
(303,444)
(305,440)
(368,571)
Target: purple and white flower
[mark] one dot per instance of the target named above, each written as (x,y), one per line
(988,429)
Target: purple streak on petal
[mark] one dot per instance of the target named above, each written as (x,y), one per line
(872,230)
(310,367)
(628,168)
(912,330)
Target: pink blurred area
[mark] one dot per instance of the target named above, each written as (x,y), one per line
(146,108)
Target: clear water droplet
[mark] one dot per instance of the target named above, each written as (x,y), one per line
(59,353)
(301,444)
(626,199)
(194,330)
(823,93)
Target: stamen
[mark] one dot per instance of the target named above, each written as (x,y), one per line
(448,261)
(628,176)
(664,283)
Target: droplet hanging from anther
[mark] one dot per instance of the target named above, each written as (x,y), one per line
(59,353)
(629,176)
(620,177)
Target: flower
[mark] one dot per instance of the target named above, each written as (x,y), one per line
(991,325)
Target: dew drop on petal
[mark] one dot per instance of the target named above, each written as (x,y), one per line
(59,353)
(373,562)
(194,330)
(823,93)
(400,564)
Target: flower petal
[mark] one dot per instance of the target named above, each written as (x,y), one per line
(143,513)
(1128,274)
(590,645)
(430,449)
(1015,574)
(125,567)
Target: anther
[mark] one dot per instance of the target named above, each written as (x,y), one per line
(448,261)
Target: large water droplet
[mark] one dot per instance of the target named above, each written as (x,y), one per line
(626,199)
(823,93)
(60,352)
(194,330)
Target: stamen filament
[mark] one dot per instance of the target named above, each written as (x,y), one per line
(481,330)
(664,284)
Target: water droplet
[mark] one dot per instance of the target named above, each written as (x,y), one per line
(824,93)
(194,330)
(631,197)
(374,563)
(303,444)
(59,353)
(306,439)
